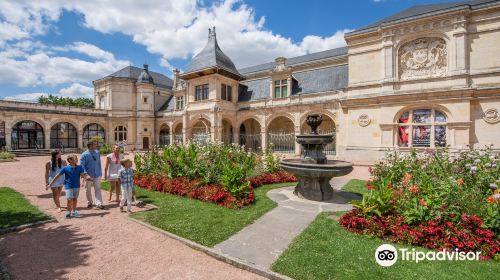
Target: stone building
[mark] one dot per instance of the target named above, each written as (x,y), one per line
(423,78)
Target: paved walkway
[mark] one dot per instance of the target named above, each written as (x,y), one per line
(262,242)
(103,244)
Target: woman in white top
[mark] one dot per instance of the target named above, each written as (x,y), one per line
(111,171)
(52,168)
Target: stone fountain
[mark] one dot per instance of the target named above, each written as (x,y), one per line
(313,170)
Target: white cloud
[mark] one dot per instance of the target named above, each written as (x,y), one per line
(89,50)
(77,90)
(172,29)
(27,96)
(38,66)
(178,29)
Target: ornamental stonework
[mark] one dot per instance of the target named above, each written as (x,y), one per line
(364,120)
(422,58)
(491,115)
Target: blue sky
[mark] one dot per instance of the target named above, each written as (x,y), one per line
(60,46)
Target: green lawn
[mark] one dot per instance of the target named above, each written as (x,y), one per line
(355,186)
(15,210)
(326,251)
(205,223)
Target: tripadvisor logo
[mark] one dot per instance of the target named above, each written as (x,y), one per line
(387,255)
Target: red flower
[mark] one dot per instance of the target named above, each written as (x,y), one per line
(406,179)
(422,202)
(414,189)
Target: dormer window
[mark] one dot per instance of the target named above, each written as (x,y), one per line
(201,92)
(179,103)
(102,102)
(280,89)
(226,92)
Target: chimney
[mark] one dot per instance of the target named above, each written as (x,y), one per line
(280,64)
(176,78)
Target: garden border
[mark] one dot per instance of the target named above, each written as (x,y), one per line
(217,254)
(30,225)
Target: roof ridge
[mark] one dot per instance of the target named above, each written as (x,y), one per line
(420,10)
(340,49)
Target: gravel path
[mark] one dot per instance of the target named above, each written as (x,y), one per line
(103,244)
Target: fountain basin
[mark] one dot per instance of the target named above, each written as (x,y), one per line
(314,179)
(314,139)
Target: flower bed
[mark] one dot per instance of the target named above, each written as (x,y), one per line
(221,174)
(435,200)
(214,193)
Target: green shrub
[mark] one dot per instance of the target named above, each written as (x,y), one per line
(206,162)
(435,184)
(6,155)
(271,161)
(233,180)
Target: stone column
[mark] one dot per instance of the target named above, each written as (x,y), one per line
(388,58)
(289,86)
(46,135)
(236,138)
(8,137)
(80,139)
(172,134)
(297,145)
(185,131)
(458,45)
(263,135)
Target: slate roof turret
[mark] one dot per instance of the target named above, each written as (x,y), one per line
(145,77)
(211,60)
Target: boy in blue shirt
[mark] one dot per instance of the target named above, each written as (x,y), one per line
(72,174)
(126,180)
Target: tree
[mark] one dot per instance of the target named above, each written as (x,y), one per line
(59,100)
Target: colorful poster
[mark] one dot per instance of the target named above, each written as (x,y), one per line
(422,116)
(421,136)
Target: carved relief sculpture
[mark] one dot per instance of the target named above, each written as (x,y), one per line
(422,58)
(491,115)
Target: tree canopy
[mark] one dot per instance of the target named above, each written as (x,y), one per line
(59,100)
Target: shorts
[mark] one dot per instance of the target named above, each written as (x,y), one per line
(72,193)
(113,177)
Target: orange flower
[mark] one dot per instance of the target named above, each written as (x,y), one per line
(406,179)
(414,189)
(422,202)
(490,199)
(460,181)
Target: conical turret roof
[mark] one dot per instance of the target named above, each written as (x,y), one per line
(211,60)
(145,77)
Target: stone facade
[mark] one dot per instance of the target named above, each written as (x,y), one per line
(420,82)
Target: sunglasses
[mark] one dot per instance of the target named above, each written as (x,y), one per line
(94,157)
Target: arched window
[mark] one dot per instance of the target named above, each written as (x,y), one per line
(92,131)
(120,133)
(422,128)
(27,135)
(63,135)
(164,136)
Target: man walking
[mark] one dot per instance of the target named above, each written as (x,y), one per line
(91,162)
